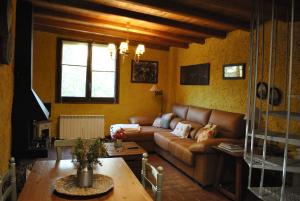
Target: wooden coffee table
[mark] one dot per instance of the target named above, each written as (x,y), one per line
(131,152)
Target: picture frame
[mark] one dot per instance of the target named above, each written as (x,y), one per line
(195,74)
(234,71)
(144,71)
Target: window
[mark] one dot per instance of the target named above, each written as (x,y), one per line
(87,73)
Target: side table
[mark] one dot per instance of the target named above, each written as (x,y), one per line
(238,157)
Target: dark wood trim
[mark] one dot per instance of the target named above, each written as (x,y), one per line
(195,13)
(108,32)
(76,35)
(88,99)
(98,8)
(69,17)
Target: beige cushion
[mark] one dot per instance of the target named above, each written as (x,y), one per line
(210,130)
(182,130)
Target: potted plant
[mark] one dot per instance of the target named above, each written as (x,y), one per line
(85,156)
(118,136)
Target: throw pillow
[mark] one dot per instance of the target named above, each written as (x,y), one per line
(182,130)
(157,122)
(165,120)
(208,131)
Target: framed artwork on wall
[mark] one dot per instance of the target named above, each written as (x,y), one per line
(195,74)
(144,71)
(234,71)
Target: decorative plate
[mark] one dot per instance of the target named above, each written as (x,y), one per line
(262,90)
(275,96)
(67,185)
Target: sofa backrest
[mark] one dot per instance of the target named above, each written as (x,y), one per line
(180,110)
(198,114)
(230,125)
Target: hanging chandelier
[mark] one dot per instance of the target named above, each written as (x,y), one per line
(124,49)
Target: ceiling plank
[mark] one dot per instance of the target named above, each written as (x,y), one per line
(68,17)
(180,12)
(108,32)
(72,34)
(93,7)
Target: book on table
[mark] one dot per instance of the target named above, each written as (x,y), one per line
(231,147)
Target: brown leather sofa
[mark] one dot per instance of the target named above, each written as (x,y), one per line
(198,160)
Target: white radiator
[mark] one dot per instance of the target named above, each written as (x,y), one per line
(83,126)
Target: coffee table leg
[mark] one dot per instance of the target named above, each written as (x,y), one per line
(219,170)
(238,179)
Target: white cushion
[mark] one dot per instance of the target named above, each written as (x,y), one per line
(182,130)
(157,122)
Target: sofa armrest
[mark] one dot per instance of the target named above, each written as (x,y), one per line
(141,120)
(205,146)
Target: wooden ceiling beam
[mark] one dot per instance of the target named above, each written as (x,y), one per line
(72,34)
(68,17)
(97,8)
(169,8)
(108,32)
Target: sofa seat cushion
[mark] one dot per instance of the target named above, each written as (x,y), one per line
(145,134)
(180,149)
(162,139)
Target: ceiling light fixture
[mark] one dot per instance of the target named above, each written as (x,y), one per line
(124,48)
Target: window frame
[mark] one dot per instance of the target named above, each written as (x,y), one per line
(88,98)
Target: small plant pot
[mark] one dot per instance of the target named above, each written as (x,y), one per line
(118,143)
(85,177)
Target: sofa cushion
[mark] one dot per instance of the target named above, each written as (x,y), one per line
(230,125)
(180,149)
(194,129)
(145,134)
(174,122)
(198,115)
(162,139)
(180,110)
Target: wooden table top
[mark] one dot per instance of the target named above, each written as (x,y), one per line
(39,187)
(128,148)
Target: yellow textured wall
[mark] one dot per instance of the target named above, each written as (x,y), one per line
(134,98)
(229,95)
(6,98)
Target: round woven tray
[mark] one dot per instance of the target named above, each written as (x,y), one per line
(67,185)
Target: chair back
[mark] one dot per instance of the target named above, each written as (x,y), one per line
(153,176)
(8,187)
(60,144)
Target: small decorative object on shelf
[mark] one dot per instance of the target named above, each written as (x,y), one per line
(262,90)
(118,136)
(86,155)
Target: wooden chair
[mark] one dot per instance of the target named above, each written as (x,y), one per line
(153,176)
(8,186)
(60,144)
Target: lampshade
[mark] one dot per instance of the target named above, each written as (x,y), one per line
(154,88)
(140,49)
(123,47)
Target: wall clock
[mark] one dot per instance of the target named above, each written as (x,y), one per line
(262,90)
(6,31)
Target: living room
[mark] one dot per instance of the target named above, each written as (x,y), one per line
(213,50)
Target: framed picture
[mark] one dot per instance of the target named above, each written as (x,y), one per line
(144,71)
(195,74)
(234,71)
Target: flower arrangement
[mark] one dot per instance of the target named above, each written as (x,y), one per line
(86,155)
(119,134)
